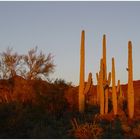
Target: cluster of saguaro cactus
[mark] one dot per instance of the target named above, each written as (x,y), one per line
(103,82)
(104,85)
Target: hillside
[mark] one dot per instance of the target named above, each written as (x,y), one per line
(72,96)
(19,89)
(36,108)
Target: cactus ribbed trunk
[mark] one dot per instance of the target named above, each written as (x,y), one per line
(105,73)
(82,74)
(106,101)
(104,59)
(130,82)
(121,93)
(106,93)
(89,84)
(101,88)
(118,86)
(98,90)
(109,78)
(114,96)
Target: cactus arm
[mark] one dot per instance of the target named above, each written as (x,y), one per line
(118,86)
(109,78)
(89,83)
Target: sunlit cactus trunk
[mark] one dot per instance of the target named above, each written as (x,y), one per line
(106,92)
(106,101)
(98,90)
(82,74)
(104,59)
(101,88)
(121,92)
(114,96)
(88,88)
(89,84)
(105,80)
(121,97)
(118,86)
(130,82)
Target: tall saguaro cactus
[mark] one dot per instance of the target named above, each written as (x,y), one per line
(106,82)
(101,88)
(105,73)
(114,96)
(130,82)
(82,74)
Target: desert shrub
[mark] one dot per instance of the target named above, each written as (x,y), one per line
(112,128)
(136,132)
(18,119)
(88,131)
(61,84)
(52,101)
(135,129)
(117,128)
(50,96)
(39,131)
(71,95)
(92,109)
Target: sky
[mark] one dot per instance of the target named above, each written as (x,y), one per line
(55,27)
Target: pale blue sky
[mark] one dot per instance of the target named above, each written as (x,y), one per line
(55,27)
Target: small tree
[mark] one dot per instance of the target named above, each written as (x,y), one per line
(38,65)
(10,64)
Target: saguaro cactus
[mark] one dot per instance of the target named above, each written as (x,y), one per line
(118,86)
(130,82)
(121,98)
(98,89)
(106,92)
(89,84)
(106,82)
(105,73)
(114,96)
(101,88)
(82,74)
(104,59)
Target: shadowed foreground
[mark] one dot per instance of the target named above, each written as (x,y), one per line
(38,109)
